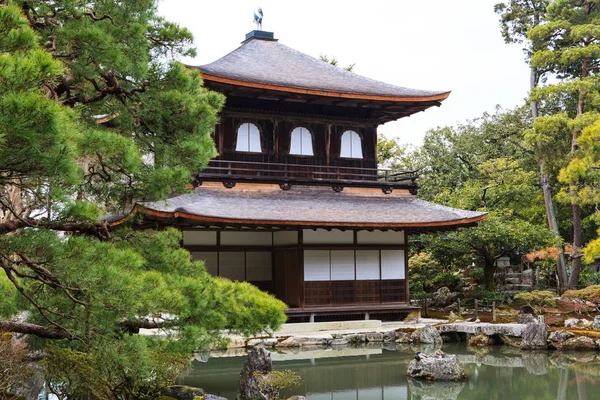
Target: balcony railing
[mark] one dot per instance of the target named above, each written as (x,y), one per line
(247,171)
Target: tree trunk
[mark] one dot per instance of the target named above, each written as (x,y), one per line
(488,272)
(561,265)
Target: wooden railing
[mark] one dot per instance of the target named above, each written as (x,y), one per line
(295,173)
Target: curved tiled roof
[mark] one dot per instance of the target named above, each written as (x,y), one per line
(308,206)
(278,67)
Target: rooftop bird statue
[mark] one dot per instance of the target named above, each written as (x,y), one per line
(258,17)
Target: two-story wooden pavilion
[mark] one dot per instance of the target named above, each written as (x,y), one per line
(295,202)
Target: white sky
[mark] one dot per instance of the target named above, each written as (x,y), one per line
(435,44)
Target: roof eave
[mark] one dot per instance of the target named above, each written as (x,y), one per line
(317,92)
(416,226)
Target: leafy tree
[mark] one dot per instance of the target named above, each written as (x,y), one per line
(497,236)
(567,45)
(96,114)
(517,18)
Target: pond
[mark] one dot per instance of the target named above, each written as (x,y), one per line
(378,373)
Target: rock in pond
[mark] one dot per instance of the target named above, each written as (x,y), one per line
(535,336)
(257,364)
(558,338)
(182,392)
(430,334)
(579,343)
(434,368)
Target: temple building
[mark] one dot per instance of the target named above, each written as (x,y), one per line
(295,202)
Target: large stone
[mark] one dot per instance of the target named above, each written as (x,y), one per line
(596,324)
(182,392)
(579,343)
(374,337)
(390,336)
(355,338)
(442,296)
(526,319)
(257,365)
(558,338)
(306,341)
(433,368)
(430,335)
(535,336)
(402,337)
(415,337)
(209,396)
(571,323)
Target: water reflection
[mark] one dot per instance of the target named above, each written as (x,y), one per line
(378,373)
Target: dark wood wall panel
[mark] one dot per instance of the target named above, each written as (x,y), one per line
(393,291)
(317,293)
(276,135)
(325,293)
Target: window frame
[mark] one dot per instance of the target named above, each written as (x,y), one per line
(312,142)
(351,157)
(237,138)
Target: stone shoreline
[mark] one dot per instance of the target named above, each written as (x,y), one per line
(532,336)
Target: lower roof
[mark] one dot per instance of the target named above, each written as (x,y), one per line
(311,207)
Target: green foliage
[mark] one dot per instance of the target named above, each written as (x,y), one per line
(489,296)
(449,279)
(477,274)
(127,369)
(14,366)
(272,383)
(590,293)
(97,114)
(537,298)
(423,268)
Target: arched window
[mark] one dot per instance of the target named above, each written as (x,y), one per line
(351,145)
(248,138)
(301,142)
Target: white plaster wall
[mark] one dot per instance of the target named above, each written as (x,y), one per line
(199,238)
(246,239)
(380,237)
(283,238)
(322,236)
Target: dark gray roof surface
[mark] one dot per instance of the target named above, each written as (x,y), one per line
(273,63)
(318,205)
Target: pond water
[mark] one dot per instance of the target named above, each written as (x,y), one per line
(378,373)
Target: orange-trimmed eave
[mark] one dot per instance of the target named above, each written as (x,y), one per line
(325,93)
(234,221)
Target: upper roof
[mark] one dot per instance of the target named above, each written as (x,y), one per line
(268,64)
(304,207)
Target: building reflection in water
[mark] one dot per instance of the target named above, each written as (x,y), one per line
(374,373)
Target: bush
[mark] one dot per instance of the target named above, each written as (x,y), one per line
(490,296)
(272,383)
(476,274)
(14,369)
(423,269)
(590,293)
(449,279)
(539,298)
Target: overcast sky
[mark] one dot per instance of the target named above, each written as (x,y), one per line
(434,44)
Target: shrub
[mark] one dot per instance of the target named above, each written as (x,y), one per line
(272,383)
(14,369)
(476,274)
(449,279)
(490,296)
(590,293)
(539,298)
